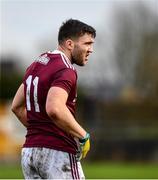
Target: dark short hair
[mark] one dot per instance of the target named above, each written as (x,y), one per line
(73,28)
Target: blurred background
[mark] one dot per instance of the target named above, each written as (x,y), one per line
(117,89)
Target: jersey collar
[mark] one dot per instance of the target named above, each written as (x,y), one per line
(60,52)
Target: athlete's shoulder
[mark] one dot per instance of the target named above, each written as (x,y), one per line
(44,58)
(63,59)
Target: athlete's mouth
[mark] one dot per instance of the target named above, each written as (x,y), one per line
(87,56)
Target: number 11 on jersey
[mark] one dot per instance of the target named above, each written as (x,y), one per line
(35,97)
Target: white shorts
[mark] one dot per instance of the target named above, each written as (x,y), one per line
(44,163)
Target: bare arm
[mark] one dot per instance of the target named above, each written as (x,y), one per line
(18,106)
(57,110)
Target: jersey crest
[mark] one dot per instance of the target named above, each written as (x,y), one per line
(44,59)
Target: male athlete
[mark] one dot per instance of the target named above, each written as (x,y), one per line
(45,104)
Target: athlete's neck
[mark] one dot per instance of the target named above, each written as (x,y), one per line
(66,52)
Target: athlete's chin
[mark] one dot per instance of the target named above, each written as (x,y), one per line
(84,63)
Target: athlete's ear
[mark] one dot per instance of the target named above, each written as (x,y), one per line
(69,44)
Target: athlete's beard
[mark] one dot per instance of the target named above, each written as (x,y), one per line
(77,56)
(77,61)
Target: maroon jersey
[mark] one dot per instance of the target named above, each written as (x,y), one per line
(50,69)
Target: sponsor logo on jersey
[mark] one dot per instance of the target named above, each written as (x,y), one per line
(44,59)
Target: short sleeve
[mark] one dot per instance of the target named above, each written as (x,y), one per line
(25,76)
(65,79)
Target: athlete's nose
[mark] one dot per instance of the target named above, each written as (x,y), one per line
(90,50)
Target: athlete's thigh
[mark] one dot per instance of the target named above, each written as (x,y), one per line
(60,165)
(55,165)
(76,168)
(80,170)
(29,171)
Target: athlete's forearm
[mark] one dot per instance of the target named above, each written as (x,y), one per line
(18,106)
(63,118)
(21,114)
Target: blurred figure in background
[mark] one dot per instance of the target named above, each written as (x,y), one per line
(45,105)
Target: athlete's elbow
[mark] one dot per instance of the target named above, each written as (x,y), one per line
(53,112)
(14,108)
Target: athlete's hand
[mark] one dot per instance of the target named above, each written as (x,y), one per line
(84,146)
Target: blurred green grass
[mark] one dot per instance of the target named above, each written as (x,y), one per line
(120,170)
(97,170)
